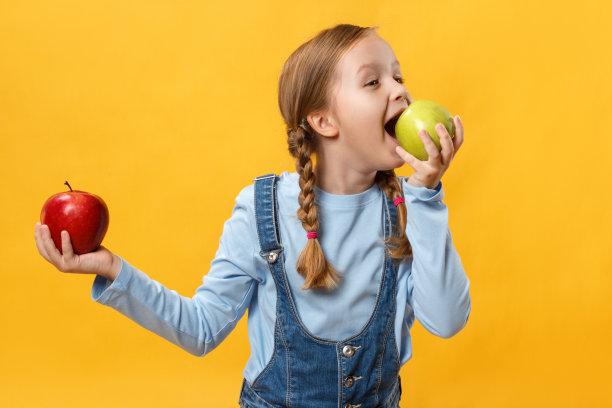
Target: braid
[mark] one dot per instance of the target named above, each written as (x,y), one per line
(311,263)
(398,245)
(304,87)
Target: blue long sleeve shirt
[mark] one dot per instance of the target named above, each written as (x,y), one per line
(432,285)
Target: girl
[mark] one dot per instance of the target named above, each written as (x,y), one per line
(334,262)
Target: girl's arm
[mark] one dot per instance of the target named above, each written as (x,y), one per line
(197,324)
(438,286)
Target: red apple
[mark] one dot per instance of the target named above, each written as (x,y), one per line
(83,215)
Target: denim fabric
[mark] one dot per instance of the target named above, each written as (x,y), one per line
(309,371)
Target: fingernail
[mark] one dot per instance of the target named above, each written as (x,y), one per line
(458,118)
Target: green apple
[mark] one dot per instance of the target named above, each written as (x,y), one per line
(421,115)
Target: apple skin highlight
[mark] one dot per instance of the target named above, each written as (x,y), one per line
(84,215)
(421,115)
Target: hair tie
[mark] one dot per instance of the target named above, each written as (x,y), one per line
(311,235)
(398,200)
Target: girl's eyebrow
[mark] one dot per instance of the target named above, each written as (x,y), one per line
(372,65)
(375,65)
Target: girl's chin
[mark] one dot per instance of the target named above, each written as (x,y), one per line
(399,162)
(394,164)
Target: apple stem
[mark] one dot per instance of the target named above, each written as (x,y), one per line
(66,183)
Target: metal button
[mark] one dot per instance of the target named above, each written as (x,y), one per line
(348,351)
(350,380)
(352,406)
(272,257)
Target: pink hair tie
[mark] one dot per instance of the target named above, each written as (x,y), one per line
(398,200)
(311,235)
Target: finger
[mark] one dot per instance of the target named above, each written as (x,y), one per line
(458,139)
(52,252)
(430,146)
(67,245)
(446,143)
(408,158)
(39,241)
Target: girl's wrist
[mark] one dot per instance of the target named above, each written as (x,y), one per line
(415,183)
(114,270)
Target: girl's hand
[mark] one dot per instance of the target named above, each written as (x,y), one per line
(101,261)
(428,173)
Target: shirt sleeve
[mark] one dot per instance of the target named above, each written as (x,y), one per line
(197,324)
(438,286)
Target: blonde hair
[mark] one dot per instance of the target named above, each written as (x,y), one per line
(304,88)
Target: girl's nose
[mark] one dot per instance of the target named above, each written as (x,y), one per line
(400,92)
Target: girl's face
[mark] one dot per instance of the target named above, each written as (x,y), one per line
(367,92)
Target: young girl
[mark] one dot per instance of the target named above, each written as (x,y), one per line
(333,262)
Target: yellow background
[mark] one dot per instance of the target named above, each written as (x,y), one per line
(167,109)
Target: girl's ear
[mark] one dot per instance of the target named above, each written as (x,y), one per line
(322,123)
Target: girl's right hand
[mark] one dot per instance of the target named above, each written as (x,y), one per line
(101,262)
(428,173)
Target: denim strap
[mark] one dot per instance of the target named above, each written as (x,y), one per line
(267,223)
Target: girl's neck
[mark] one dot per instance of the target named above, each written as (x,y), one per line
(337,178)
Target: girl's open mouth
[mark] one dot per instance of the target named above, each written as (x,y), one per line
(390,125)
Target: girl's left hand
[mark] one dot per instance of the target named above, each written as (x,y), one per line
(429,173)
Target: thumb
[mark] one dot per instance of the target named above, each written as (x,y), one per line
(407,157)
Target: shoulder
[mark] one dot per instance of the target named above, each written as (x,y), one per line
(285,180)
(287,184)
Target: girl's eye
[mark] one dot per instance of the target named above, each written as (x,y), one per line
(372,83)
(400,80)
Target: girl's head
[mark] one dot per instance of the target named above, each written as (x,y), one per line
(345,81)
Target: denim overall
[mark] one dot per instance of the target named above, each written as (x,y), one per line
(312,372)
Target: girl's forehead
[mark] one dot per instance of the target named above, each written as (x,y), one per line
(370,51)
